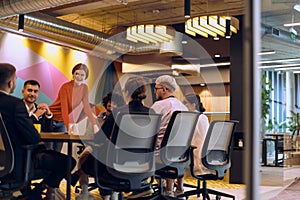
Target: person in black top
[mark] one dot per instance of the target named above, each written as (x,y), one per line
(109,104)
(135,91)
(22,132)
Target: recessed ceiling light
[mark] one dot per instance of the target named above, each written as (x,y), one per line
(217,55)
(184,42)
(124,2)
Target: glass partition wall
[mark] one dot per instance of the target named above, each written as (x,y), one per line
(279,67)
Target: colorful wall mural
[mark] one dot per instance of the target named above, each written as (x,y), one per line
(49,64)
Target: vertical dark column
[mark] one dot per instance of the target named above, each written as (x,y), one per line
(236,77)
(236,105)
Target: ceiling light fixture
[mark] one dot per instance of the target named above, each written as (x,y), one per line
(212,26)
(287,68)
(292,24)
(187,8)
(293,19)
(280,60)
(215,64)
(150,33)
(297,7)
(21,23)
(124,2)
(266,53)
(196,67)
(277,66)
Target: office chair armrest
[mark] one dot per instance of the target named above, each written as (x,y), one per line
(192,148)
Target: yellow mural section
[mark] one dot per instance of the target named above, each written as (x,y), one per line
(64,59)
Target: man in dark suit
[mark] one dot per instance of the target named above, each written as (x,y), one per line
(39,113)
(22,132)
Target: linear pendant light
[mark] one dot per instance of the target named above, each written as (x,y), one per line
(150,33)
(212,26)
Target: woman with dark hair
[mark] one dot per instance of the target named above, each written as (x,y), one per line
(110,102)
(70,96)
(193,103)
(135,93)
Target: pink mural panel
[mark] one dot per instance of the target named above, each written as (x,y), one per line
(47,75)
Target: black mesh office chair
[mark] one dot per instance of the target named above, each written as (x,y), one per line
(215,157)
(7,161)
(130,158)
(173,156)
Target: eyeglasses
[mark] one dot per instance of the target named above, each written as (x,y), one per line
(157,88)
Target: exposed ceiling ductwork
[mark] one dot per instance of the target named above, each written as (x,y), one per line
(278,34)
(89,25)
(58,31)
(51,29)
(12,7)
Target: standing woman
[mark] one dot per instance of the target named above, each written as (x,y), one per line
(193,103)
(70,96)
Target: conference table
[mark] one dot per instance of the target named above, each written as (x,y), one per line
(69,139)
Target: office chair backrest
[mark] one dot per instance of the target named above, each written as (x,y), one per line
(131,152)
(178,137)
(6,151)
(217,146)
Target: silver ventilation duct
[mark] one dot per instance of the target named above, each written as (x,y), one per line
(48,28)
(12,7)
(282,35)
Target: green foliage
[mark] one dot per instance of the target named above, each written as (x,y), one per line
(275,126)
(293,122)
(266,89)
